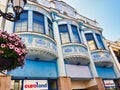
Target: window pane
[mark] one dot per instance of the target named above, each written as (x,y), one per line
(91,41)
(38,22)
(21,25)
(64,34)
(100,41)
(76,37)
(24,26)
(50,28)
(16,85)
(64,38)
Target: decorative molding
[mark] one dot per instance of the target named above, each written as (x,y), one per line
(102,58)
(39,46)
(75,53)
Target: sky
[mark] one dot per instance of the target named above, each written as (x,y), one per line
(105,12)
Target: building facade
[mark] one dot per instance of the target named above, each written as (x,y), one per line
(66,51)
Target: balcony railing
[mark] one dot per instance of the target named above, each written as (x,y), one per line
(75,53)
(39,46)
(102,58)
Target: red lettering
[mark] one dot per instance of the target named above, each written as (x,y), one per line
(26,86)
(30,86)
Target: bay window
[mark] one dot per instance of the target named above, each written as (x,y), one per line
(50,28)
(21,25)
(63,29)
(91,42)
(101,45)
(38,22)
(76,37)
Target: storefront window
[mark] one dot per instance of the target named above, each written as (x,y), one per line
(52,84)
(63,29)
(21,25)
(16,85)
(76,37)
(91,42)
(111,85)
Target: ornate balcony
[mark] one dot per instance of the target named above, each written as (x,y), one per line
(75,53)
(39,46)
(102,58)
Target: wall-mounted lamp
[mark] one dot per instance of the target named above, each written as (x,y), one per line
(18,6)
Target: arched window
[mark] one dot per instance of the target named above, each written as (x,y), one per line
(22,24)
(38,22)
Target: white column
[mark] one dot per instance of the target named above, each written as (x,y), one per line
(30,20)
(92,65)
(60,61)
(46,25)
(115,62)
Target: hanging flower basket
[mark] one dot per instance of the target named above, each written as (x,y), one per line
(12,51)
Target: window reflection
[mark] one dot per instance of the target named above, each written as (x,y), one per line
(50,28)
(91,41)
(76,37)
(100,41)
(21,25)
(16,85)
(38,22)
(64,34)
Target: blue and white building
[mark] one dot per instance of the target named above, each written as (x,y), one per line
(66,51)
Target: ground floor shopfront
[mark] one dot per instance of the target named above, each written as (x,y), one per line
(62,83)
(65,83)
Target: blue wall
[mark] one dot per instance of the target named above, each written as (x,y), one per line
(36,69)
(106,73)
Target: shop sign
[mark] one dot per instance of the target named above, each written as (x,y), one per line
(35,85)
(109,83)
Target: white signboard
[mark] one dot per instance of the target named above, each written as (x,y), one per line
(35,85)
(109,83)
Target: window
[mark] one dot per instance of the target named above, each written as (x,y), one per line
(100,41)
(38,22)
(21,25)
(117,53)
(16,85)
(76,37)
(63,29)
(91,41)
(50,28)
(52,84)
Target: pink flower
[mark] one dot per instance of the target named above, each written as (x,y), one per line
(16,43)
(11,46)
(4,36)
(17,49)
(3,45)
(23,50)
